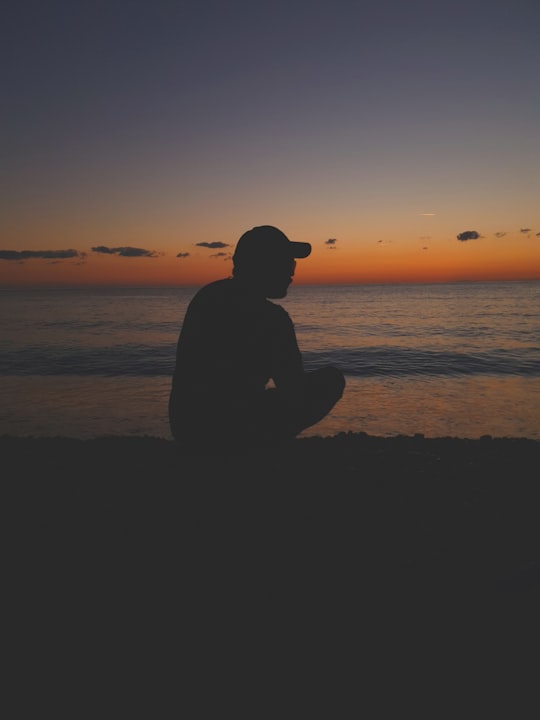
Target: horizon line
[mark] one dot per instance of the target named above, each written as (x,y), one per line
(96,286)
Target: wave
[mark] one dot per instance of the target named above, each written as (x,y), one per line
(156,360)
(372,361)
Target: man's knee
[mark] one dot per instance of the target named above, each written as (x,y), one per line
(329,381)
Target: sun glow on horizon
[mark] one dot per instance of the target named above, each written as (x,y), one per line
(340,262)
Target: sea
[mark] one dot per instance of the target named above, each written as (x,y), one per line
(439,360)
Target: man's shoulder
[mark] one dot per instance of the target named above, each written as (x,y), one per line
(215,291)
(215,287)
(227,294)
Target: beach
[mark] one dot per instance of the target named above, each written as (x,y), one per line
(421,514)
(350,559)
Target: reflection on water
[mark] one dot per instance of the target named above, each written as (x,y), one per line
(84,407)
(436,407)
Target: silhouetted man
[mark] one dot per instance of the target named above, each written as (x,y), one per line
(233,342)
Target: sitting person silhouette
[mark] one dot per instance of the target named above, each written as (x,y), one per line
(233,342)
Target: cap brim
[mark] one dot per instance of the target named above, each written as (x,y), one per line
(300,249)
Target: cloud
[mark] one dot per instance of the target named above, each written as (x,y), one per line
(537,234)
(468,235)
(330,241)
(124,251)
(500,234)
(221,254)
(212,245)
(182,255)
(41,254)
(525,231)
(103,249)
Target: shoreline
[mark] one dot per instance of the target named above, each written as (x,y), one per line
(341,447)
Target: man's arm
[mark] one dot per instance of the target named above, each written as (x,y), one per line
(287,364)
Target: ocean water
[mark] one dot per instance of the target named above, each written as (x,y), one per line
(457,359)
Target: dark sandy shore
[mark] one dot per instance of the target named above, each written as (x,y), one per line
(122,554)
(350,511)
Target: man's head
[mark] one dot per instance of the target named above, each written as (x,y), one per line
(265,258)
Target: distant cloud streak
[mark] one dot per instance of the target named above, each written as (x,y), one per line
(468,235)
(19,255)
(212,245)
(183,255)
(500,234)
(124,251)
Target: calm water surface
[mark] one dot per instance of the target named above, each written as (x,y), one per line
(458,359)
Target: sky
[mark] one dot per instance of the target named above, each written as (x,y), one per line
(139,140)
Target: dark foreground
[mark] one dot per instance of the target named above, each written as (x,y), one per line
(122,541)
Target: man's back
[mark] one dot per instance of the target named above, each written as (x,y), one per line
(231,344)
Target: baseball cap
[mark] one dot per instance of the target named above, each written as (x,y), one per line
(267,240)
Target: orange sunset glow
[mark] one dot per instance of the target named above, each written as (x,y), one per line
(512,257)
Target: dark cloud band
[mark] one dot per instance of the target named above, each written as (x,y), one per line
(124,251)
(40,254)
(212,245)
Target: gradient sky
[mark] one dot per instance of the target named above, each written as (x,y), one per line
(405,133)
